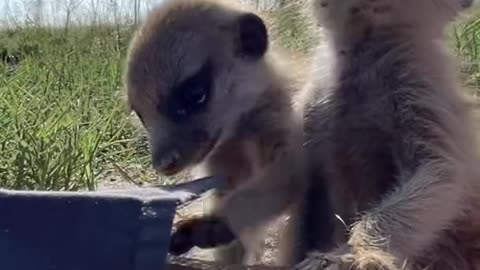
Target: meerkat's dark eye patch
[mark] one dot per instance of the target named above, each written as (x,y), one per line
(252,36)
(192,95)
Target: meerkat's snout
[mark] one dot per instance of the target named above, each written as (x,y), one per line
(466,3)
(166,162)
(175,152)
(188,71)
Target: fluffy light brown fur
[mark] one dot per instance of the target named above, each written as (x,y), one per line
(243,126)
(393,137)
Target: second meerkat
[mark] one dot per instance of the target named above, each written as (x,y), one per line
(395,138)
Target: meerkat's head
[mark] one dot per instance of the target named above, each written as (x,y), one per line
(193,69)
(426,17)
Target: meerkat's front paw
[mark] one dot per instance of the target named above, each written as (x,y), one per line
(202,232)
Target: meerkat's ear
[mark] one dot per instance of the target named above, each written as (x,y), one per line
(252,36)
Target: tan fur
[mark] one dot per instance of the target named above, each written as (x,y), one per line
(396,138)
(248,132)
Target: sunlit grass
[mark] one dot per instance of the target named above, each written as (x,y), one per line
(466,42)
(61,112)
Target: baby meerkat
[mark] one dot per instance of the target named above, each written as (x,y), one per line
(394,139)
(201,78)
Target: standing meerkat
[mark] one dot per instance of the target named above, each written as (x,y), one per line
(201,78)
(394,139)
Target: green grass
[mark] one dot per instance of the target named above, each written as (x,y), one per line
(62,119)
(61,112)
(465,37)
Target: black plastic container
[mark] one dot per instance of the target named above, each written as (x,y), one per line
(113,230)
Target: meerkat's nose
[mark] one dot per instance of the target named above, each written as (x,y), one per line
(466,3)
(166,161)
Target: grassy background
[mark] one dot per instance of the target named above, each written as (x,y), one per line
(62,119)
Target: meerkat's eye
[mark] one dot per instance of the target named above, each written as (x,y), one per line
(192,95)
(195,95)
